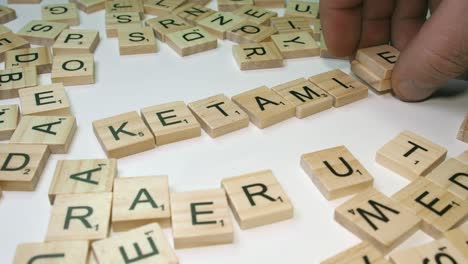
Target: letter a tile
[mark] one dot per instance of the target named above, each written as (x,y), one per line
(80,217)
(83,176)
(410,155)
(201,218)
(264,106)
(21,166)
(336,172)
(257,199)
(146,244)
(53,252)
(139,201)
(123,135)
(374,217)
(439,209)
(55,131)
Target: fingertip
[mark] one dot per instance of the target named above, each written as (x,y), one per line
(412,90)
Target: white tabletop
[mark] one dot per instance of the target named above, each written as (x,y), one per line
(128,83)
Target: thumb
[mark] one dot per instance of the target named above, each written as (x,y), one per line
(438,53)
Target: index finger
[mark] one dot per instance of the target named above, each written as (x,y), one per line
(341,24)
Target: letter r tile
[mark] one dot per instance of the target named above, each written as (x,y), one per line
(201,218)
(123,135)
(83,216)
(257,199)
(336,172)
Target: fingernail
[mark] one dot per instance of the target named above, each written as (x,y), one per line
(413,91)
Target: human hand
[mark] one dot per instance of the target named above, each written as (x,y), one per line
(432,51)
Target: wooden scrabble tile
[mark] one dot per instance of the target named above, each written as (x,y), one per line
(463,131)
(410,155)
(362,253)
(201,218)
(83,176)
(370,78)
(336,172)
(3,29)
(57,252)
(192,13)
(374,217)
(317,30)
(139,201)
(458,237)
(63,13)
(379,60)
(231,5)
(45,100)
(89,6)
(439,209)
(22,166)
(439,251)
(137,41)
(124,6)
(42,32)
(167,24)
(121,248)
(55,131)
(463,157)
(296,45)
(451,175)
(270,3)
(161,7)
(218,115)
(249,32)
(123,135)
(306,9)
(192,40)
(6,14)
(24,1)
(257,199)
(171,122)
(76,69)
(343,88)
(264,106)
(255,14)
(83,216)
(39,57)
(290,24)
(252,56)
(11,41)
(219,23)
(76,41)
(305,96)
(9,118)
(117,21)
